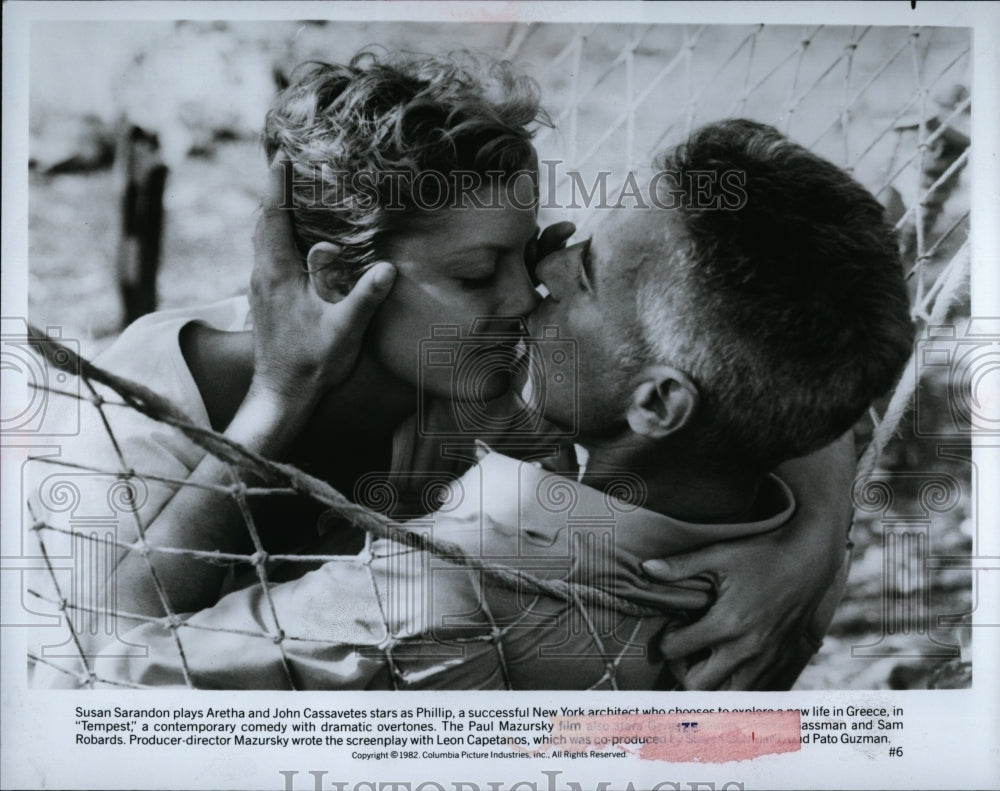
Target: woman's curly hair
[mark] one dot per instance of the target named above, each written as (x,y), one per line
(393,114)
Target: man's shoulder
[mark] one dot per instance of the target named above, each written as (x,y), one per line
(421,593)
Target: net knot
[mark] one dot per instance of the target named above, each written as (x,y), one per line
(173,622)
(63,604)
(278,637)
(97,400)
(238,489)
(38,526)
(259,558)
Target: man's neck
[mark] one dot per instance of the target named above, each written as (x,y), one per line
(675,486)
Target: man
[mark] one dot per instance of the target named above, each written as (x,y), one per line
(713,345)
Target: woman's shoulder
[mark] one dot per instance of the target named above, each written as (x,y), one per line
(158,334)
(154,350)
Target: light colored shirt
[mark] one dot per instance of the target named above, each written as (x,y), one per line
(398,617)
(78,487)
(391,616)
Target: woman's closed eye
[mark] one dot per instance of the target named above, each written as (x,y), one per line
(479,282)
(585,265)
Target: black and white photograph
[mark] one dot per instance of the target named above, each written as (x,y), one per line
(629,380)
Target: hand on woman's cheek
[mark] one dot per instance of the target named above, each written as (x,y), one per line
(303,344)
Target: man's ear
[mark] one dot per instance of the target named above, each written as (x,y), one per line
(664,402)
(327,273)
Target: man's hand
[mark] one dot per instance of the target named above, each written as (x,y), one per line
(303,345)
(766,587)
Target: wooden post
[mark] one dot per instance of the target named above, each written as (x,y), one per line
(143,178)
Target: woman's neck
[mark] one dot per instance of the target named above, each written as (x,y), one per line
(371,403)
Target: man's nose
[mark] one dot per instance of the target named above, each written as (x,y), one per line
(553,271)
(520,294)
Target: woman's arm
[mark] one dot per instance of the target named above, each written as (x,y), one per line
(303,346)
(198,518)
(766,587)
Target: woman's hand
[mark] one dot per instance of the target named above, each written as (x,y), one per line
(303,345)
(767,587)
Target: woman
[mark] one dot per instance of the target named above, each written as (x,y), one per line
(331,375)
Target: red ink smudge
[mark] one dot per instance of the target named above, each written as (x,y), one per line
(712,737)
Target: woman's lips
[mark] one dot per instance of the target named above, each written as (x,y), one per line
(522,382)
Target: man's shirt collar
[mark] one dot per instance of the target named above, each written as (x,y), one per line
(506,507)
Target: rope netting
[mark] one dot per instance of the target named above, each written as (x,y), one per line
(887,104)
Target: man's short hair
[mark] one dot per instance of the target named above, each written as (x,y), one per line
(790,311)
(358,135)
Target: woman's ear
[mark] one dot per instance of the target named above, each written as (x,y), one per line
(664,402)
(329,275)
